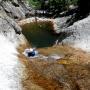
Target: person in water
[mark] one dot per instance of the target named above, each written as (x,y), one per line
(30,52)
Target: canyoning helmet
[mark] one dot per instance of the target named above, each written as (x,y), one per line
(31,50)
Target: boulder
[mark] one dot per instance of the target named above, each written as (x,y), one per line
(10,12)
(76,35)
(9,28)
(16,9)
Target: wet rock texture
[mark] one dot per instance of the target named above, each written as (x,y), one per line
(10,12)
(76,35)
(72,72)
(17,9)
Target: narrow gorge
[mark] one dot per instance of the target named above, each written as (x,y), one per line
(20,29)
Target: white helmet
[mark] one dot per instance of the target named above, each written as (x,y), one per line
(31,49)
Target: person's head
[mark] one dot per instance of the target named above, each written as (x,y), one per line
(31,50)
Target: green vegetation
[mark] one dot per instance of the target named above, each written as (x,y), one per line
(60,5)
(52,7)
(35,4)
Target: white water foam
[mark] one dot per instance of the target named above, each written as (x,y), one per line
(10,67)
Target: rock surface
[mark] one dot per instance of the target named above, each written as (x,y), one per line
(10,11)
(11,37)
(77,35)
(72,72)
(17,9)
(10,29)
